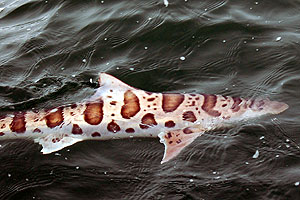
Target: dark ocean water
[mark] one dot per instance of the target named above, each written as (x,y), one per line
(52,51)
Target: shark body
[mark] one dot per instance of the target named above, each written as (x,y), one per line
(118,110)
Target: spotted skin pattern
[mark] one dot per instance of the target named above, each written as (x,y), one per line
(118,110)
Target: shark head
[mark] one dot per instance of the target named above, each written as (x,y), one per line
(266,106)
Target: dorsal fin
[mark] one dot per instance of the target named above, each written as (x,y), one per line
(107,80)
(109,83)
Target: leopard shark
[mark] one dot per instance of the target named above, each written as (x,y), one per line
(118,110)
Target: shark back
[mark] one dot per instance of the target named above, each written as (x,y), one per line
(118,110)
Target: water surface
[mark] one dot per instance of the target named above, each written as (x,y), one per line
(52,52)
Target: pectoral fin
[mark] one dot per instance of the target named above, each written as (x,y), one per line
(52,143)
(175,141)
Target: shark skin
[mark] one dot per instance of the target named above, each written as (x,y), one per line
(118,110)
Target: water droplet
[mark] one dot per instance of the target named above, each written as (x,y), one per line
(102,1)
(262,137)
(256,154)
(73,75)
(246,163)
(182,58)
(166,3)
(278,39)
(256,3)
(9,175)
(277,156)
(131,68)
(77,167)
(191,180)
(146,48)
(91,80)
(224,41)
(297,183)
(84,60)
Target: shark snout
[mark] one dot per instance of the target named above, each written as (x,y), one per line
(267,106)
(276,107)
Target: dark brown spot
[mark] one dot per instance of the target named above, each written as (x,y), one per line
(54,118)
(96,134)
(73,106)
(189,116)
(131,105)
(113,127)
(169,135)
(93,113)
(111,90)
(169,124)
(251,103)
(236,102)
(197,98)
(178,141)
(76,129)
(187,131)
(113,115)
(170,142)
(193,103)
(113,103)
(224,105)
(170,102)
(3,126)
(37,130)
(209,103)
(18,123)
(225,97)
(149,93)
(129,130)
(109,96)
(1,134)
(148,121)
(151,99)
